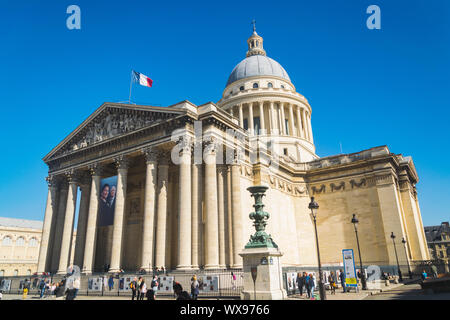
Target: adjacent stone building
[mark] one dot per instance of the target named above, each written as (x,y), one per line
(438,240)
(166,186)
(19,246)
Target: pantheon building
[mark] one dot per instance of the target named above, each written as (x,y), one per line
(166,186)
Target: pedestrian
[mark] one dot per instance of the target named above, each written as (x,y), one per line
(59,291)
(332,281)
(138,286)
(41,288)
(181,295)
(434,270)
(1,294)
(342,278)
(233,280)
(301,282)
(133,285)
(194,288)
(307,286)
(424,275)
(111,283)
(312,285)
(76,286)
(26,288)
(142,290)
(154,285)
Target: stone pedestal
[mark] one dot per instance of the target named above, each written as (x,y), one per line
(269,279)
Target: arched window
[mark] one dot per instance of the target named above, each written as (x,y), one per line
(33,242)
(29,272)
(16,273)
(2,273)
(20,242)
(6,241)
(241,88)
(255,85)
(282,86)
(270,85)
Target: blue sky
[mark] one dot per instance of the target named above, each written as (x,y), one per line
(366,87)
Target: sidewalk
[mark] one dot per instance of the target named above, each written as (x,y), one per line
(361,294)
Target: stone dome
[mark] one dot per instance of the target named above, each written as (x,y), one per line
(257,65)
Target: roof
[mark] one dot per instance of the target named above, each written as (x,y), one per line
(257,65)
(20,223)
(433,233)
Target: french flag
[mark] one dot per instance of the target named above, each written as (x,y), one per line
(142,79)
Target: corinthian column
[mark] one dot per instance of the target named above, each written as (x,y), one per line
(304,133)
(241,116)
(283,119)
(184,207)
(272,119)
(122,164)
(68,224)
(149,209)
(211,225)
(251,126)
(161,213)
(291,121)
(221,172)
(196,213)
(50,211)
(238,243)
(89,249)
(261,117)
(299,122)
(82,223)
(56,250)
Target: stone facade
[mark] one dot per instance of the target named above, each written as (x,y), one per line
(19,246)
(183,173)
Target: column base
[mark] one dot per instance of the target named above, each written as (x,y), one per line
(113,270)
(86,272)
(236,266)
(61,272)
(183,268)
(147,269)
(211,266)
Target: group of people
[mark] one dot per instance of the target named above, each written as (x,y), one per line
(139,288)
(47,289)
(307,282)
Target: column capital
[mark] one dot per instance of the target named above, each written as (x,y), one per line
(185,145)
(53,181)
(151,154)
(72,176)
(122,162)
(96,169)
(210,145)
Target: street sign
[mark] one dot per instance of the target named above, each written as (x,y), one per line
(349,268)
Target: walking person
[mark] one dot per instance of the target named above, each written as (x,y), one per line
(307,286)
(342,278)
(142,290)
(434,270)
(312,285)
(138,286)
(133,285)
(301,282)
(76,287)
(233,280)
(26,288)
(111,283)
(154,284)
(424,275)
(194,288)
(41,288)
(332,281)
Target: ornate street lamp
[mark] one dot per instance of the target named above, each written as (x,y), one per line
(363,276)
(396,256)
(407,260)
(314,207)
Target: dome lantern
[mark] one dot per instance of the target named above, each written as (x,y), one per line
(255,43)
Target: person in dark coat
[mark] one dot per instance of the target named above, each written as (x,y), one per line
(181,295)
(301,282)
(342,278)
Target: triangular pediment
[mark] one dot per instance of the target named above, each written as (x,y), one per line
(111,121)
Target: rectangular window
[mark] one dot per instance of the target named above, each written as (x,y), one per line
(246,124)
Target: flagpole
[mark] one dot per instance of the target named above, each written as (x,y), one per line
(131,84)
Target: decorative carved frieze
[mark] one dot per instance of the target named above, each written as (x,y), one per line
(298,190)
(359,184)
(338,187)
(316,190)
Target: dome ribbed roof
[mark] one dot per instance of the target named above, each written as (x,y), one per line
(257,65)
